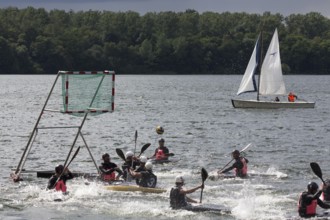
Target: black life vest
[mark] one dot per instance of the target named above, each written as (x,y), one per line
(177,200)
(148,179)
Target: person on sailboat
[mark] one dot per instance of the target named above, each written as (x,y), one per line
(145,177)
(309,200)
(108,169)
(240,165)
(178,198)
(57,181)
(292,97)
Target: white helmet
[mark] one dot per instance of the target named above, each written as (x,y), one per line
(143,159)
(179,179)
(129,154)
(148,165)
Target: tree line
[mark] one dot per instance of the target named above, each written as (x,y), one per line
(37,41)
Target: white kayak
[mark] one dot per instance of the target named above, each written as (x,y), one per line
(207,208)
(324,216)
(215,176)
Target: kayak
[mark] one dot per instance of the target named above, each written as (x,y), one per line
(324,216)
(172,160)
(49,173)
(217,176)
(207,208)
(134,188)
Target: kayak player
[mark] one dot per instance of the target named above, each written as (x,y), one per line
(145,177)
(108,169)
(130,162)
(240,165)
(143,160)
(178,198)
(162,152)
(59,184)
(309,200)
(325,196)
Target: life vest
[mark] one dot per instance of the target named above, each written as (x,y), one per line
(160,155)
(60,186)
(148,179)
(291,97)
(242,172)
(307,210)
(325,196)
(109,177)
(177,200)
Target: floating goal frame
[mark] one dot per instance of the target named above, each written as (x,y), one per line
(84,112)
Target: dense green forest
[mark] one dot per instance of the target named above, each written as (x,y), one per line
(37,41)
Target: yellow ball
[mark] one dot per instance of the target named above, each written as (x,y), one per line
(159,130)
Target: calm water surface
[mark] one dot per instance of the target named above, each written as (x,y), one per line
(201,128)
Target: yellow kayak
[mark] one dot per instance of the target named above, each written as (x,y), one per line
(134,188)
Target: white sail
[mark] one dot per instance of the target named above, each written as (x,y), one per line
(248,83)
(271,78)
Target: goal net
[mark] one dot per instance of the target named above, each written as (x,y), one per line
(87,91)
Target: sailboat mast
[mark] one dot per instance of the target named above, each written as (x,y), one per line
(260,49)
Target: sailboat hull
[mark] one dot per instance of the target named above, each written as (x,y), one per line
(270,104)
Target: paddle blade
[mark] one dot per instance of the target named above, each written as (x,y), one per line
(136,135)
(317,170)
(145,147)
(204,174)
(120,153)
(247,146)
(75,154)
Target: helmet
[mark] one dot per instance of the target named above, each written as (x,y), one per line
(179,179)
(159,130)
(148,165)
(312,186)
(236,152)
(143,159)
(59,168)
(105,155)
(129,154)
(161,140)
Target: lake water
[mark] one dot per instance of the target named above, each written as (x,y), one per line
(201,128)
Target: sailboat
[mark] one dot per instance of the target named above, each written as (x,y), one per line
(270,80)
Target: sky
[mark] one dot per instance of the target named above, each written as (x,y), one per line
(284,7)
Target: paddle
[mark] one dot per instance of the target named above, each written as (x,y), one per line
(75,154)
(204,177)
(144,148)
(135,138)
(121,154)
(246,147)
(317,170)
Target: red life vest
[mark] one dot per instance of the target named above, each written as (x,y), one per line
(109,177)
(291,97)
(60,186)
(310,209)
(160,155)
(243,171)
